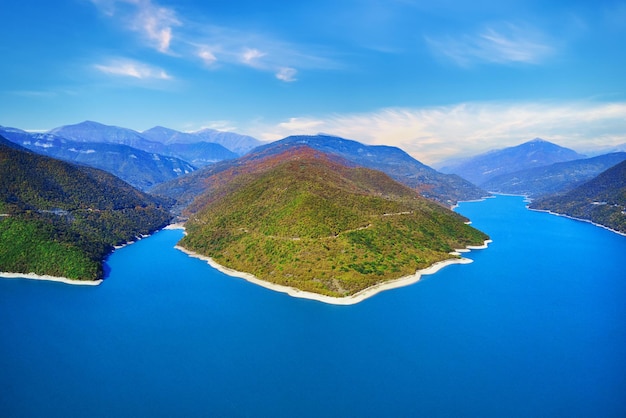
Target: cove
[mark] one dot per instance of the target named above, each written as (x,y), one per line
(535,326)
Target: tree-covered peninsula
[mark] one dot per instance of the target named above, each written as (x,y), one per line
(60,219)
(307,220)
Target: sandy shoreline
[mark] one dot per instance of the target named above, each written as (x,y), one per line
(179,225)
(33,276)
(347,300)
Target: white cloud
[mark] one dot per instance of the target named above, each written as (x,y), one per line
(296,126)
(287,74)
(251,56)
(207,56)
(499,44)
(218,125)
(189,38)
(152,21)
(436,133)
(134,69)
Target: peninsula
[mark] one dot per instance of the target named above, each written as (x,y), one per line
(312,222)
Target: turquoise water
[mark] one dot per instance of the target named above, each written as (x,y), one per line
(536,326)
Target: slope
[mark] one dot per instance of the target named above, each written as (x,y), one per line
(601,200)
(197,153)
(535,153)
(447,189)
(305,220)
(139,168)
(61,219)
(554,178)
(237,143)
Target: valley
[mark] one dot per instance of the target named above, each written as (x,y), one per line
(316,215)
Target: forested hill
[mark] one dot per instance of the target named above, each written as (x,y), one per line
(396,163)
(554,178)
(601,200)
(60,219)
(444,188)
(305,220)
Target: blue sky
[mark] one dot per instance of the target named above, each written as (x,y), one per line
(435,78)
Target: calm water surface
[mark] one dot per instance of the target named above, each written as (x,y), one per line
(536,326)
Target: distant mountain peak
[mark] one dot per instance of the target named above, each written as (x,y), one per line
(534,153)
(85,124)
(204,130)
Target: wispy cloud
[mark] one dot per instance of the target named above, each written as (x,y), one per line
(130,68)
(206,55)
(153,22)
(252,56)
(218,125)
(287,74)
(436,133)
(186,37)
(497,44)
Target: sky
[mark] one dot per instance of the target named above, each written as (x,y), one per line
(439,79)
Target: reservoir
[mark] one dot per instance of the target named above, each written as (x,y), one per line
(535,326)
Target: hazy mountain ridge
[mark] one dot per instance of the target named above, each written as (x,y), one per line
(139,168)
(237,143)
(62,219)
(199,153)
(90,131)
(536,153)
(554,178)
(165,141)
(601,200)
(302,218)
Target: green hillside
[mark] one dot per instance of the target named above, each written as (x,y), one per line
(61,219)
(601,200)
(302,220)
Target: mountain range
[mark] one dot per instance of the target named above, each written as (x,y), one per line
(306,219)
(191,147)
(139,168)
(484,167)
(236,143)
(62,219)
(446,189)
(554,178)
(601,200)
(320,213)
(138,158)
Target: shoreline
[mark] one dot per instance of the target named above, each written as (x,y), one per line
(528,199)
(65,280)
(33,276)
(346,300)
(177,225)
(578,219)
(482,199)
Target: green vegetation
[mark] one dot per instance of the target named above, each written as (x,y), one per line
(62,220)
(33,248)
(601,200)
(302,220)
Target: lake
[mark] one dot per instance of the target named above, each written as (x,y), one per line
(535,326)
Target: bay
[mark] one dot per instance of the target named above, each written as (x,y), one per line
(535,326)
